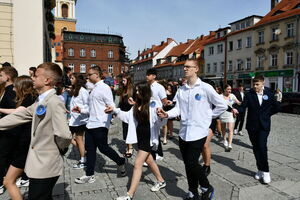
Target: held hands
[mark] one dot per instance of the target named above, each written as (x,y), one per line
(108,109)
(131,101)
(161,113)
(169,103)
(235,112)
(76,109)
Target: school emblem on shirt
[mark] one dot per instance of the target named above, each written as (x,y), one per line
(198,97)
(265,97)
(40,110)
(152,104)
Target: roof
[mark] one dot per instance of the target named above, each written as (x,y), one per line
(179,49)
(284,9)
(257,16)
(153,49)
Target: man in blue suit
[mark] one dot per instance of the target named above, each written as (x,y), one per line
(261,105)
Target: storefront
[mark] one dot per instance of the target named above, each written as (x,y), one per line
(282,79)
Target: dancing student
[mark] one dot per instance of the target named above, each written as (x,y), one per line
(25,96)
(78,121)
(261,104)
(143,129)
(194,126)
(126,92)
(96,135)
(227,118)
(44,162)
(8,139)
(238,126)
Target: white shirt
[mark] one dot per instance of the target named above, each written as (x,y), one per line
(260,97)
(194,105)
(78,119)
(100,96)
(89,86)
(242,95)
(158,92)
(43,95)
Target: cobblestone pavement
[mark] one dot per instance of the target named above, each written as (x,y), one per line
(232,172)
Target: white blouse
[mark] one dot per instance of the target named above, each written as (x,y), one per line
(78,119)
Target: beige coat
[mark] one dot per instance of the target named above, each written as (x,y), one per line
(48,131)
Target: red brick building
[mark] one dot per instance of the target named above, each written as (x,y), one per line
(83,50)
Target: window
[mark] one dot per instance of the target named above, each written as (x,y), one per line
(249,42)
(211,50)
(54,43)
(110,54)
(260,60)
(222,67)
(58,44)
(82,53)
(230,45)
(289,58)
(110,68)
(82,68)
(215,67)
(248,23)
(237,27)
(290,30)
(273,60)
(243,25)
(71,65)
(274,35)
(239,63)
(208,68)
(64,10)
(218,35)
(230,65)
(261,36)
(248,63)
(239,44)
(57,54)
(70,52)
(93,53)
(220,48)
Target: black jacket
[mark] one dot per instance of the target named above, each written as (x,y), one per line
(259,116)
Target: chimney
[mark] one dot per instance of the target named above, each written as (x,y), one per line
(161,43)
(274,3)
(139,52)
(201,37)
(169,40)
(152,46)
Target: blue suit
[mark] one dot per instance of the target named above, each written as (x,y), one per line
(259,123)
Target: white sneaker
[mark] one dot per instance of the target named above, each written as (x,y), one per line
(22,183)
(85,179)
(225,143)
(235,132)
(145,164)
(158,186)
(241,133)
(266,177)
(122,170)
(2,189)
(79,165)
(159,157)
(127,197)
(258,175)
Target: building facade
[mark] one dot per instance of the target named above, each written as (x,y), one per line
(83,50)
(277,52)
(148,58)
(19,33)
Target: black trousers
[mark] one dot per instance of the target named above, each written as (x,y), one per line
(94,138)
(41,189)
(239,121)
(8,143)
(259,142)
(191,152)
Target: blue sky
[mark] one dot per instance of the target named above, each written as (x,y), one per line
(146,22)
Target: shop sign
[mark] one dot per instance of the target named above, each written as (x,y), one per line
(284,73)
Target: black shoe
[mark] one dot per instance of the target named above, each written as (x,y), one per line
(209,194)
(195,197)
(206,170)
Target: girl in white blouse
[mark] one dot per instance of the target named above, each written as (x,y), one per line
(143,129)
(78,121)
(227,118)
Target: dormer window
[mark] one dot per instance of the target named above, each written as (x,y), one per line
(64,11)
(237,27)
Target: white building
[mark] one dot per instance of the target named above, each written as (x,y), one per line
(27,28)
(148,58)
(214,57)
(241,60)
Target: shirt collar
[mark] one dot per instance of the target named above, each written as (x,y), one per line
(262,91)
(99,82)
(198,82)
(43,95)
